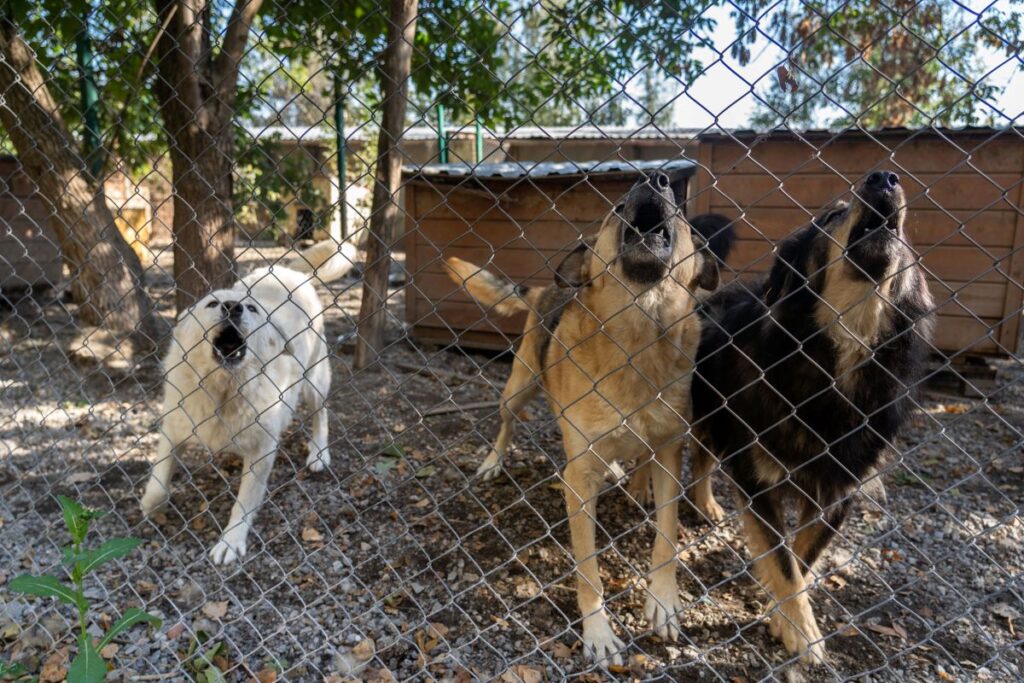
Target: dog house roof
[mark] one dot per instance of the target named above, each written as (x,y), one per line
(513,170)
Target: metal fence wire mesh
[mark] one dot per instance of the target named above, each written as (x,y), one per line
(787,241)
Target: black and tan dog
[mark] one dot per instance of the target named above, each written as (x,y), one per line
(803,381)
(613,344)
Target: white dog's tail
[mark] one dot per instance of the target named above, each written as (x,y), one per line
(327,260)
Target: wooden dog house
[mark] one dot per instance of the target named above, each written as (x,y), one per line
(517,219)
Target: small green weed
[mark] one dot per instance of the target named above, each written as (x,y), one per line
(87,666)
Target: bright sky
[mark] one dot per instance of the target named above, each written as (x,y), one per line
(725,91)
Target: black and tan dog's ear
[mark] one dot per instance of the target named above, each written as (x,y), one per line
(573,271)
(705,272)
(706,276)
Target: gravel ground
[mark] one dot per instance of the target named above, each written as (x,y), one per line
(397,564)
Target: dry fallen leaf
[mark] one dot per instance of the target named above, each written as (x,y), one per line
(54,668)
(266,675)
(312,535)
(527,588)
(109,651)
(216,610)
(365,649)
(81,477)
(175,631)
(522,674)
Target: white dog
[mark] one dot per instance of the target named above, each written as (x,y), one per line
(240,362)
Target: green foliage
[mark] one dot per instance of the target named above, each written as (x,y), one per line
(15,672)
(87,666)
(903,63)
(273,176)
(200,659)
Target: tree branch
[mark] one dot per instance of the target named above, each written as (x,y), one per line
(225,68)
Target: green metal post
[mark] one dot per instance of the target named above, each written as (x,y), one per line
(90,99)
(339,132)
(442,136)
(479,142)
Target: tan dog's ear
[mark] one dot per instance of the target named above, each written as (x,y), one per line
(573,271)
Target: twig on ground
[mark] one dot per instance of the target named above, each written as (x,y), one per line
(464,408)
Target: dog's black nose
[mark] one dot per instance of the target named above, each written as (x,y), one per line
(232,309)
(883,180)
(660,180)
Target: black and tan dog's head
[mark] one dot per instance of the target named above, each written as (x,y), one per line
(643,241)
(862,240)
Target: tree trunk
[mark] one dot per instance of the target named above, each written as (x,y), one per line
(106,274)
(384,217)
(197,93)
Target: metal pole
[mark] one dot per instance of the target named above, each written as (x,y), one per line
(90,99)
(339,132)
(479,142)
(442,136)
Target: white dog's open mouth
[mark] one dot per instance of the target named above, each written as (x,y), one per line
(229,345)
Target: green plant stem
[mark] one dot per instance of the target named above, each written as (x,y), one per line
(78,579)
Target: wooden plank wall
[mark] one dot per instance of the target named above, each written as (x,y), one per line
(965,216)
(518,230)
(29,255)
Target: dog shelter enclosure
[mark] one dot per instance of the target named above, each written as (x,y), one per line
(225,136)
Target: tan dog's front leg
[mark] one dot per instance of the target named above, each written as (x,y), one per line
(583,477)
(663,606)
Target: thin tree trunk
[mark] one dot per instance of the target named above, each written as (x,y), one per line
(384,218)
(197,93)
(105,273)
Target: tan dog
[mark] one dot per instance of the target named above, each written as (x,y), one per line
(613,344)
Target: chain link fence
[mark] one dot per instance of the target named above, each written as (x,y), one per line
(848,172)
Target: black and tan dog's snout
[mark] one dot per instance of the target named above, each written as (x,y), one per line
(882,181)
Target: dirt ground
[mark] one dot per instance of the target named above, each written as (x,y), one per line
(398,563)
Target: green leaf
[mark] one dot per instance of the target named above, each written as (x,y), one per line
(385,465)
(213,675)
(45,587)
(393,450)
(111,550)
(424,472)
(133,616)
(76,518)
(87,666)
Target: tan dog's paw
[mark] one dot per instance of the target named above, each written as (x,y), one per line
(662,609)
(711,510)
(600,642)
(490,467)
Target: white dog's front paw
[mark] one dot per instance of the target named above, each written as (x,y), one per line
(490,467)
(600,642)
(662,609)
(229,548)
(154,499)
(318,461)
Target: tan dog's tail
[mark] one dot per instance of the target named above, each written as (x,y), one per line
(501,296)
(327,260)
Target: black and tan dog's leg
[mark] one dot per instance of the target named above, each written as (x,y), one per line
(583,479)
(702,491)
(663,606)
(521,387)
(817,529)
(792,619)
